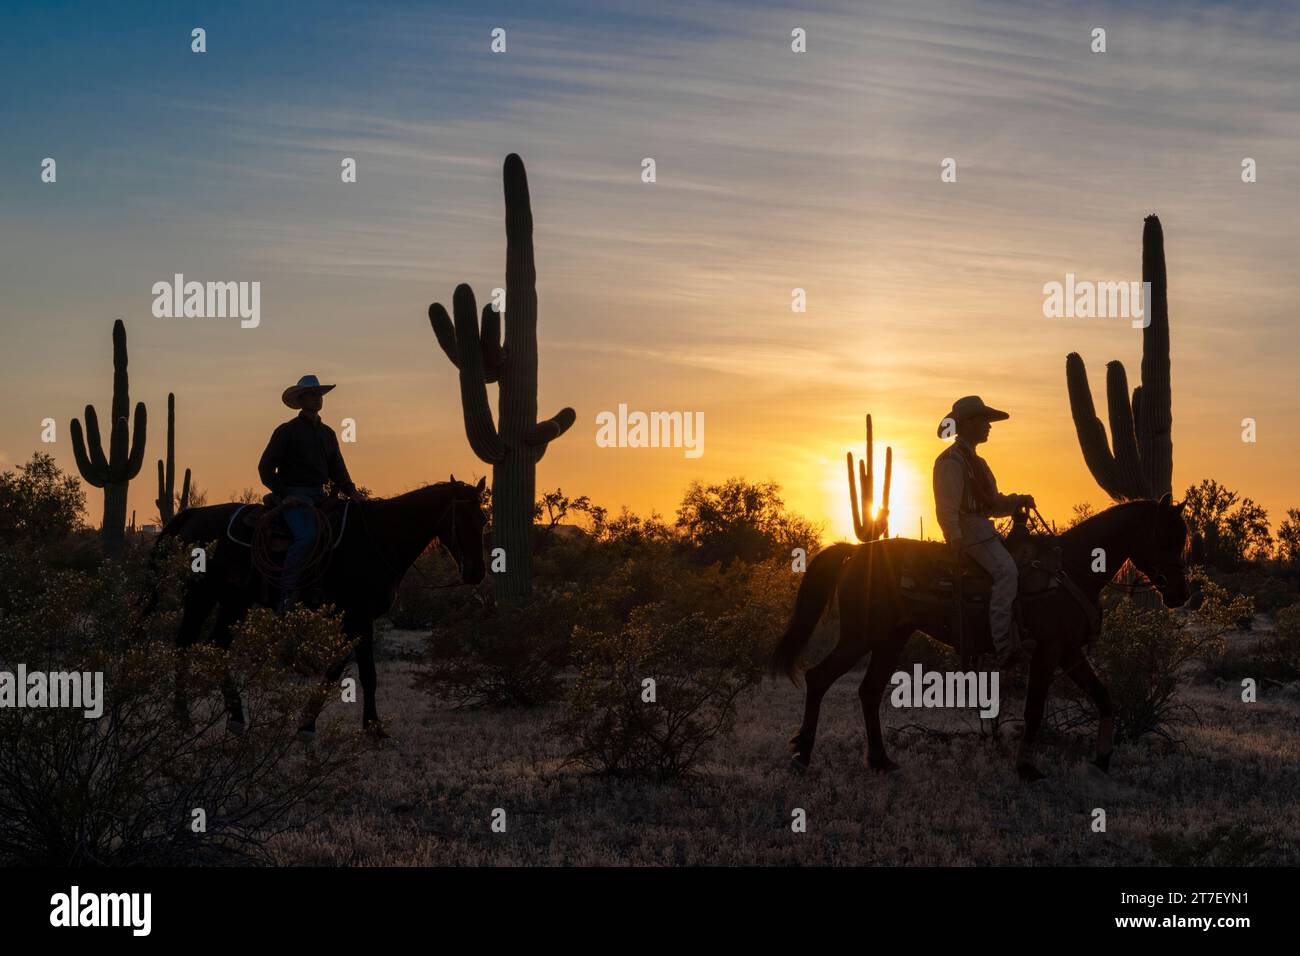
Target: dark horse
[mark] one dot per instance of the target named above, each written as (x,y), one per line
(380,541)
(876,617)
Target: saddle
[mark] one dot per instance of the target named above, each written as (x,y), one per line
(929,584)
(248,529)
(929,573)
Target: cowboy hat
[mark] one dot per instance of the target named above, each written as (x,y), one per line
(308,383)
(972,406)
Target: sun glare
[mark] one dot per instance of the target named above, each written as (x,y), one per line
(909,495)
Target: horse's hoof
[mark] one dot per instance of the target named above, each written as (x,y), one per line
(1029,773)
(236,727)
(375,731)
(883,767)
(798,764)
(305,736)
(1100,771)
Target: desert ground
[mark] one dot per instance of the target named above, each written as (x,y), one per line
(1223,794)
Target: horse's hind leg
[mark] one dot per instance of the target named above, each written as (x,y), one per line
(1076,666)
(199,602)
(884,658)
(848,651)
(229,613)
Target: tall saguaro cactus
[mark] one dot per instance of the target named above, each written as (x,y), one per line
(114,472)
(166,500)
(1139,462)
(517,441)
(866,526)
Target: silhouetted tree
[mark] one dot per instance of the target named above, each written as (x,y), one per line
(741,519)
(39,503)
(1234,529)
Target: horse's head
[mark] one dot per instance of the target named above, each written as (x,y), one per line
(1159,554)
(461,529)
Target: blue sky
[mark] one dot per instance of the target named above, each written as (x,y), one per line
(775,170)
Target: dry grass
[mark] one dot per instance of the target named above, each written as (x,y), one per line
(426,796)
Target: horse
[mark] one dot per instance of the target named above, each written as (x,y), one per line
(875,616)
(380,540)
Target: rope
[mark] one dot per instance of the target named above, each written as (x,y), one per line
(314,565)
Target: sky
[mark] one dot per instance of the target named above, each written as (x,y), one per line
(775,170)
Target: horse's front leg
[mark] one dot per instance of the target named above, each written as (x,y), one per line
(884,658)
(364,654)
(1076,666)
(1041,669)
(366,671)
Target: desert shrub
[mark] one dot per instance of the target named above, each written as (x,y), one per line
(1142,654)
(699,666)
(421,601)
(1221,845)
(122,789)
(1268,591)
(1280,650)
(484,654)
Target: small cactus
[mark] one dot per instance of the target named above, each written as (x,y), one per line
(866,526)
(114,472)
(166,500)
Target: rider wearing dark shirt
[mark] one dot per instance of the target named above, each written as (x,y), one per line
(301,456)
(303,453)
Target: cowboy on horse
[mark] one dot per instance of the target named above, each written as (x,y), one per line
(301,456)
(965,497)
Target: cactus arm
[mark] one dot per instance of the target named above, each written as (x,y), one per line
(161,501)
(547,431)
(96,474)
(444,331)
(185,492)
(95,442)
(136,461)
(1123,439)
(479,427)
(884,496)
(1155,423)
(1091,432)
(490,343)
(858,530)
(556,425)
(869,481)
(864,496)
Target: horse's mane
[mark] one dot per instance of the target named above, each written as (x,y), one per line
(1101,522)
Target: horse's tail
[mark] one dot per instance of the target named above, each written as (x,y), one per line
(151,593)
(814,592)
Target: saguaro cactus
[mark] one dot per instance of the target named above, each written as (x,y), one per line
(115,472)
(1139,462)
(517,441)
(866,526)
(166,500)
